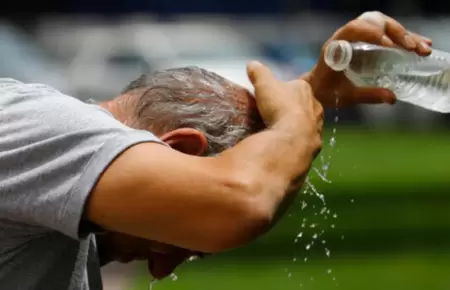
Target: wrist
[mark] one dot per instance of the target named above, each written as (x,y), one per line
(295,129)
(310,78)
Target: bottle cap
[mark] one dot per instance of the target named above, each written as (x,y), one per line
(338,55)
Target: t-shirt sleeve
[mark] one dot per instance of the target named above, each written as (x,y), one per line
(53,149)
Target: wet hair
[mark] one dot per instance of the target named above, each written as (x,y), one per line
(191,97)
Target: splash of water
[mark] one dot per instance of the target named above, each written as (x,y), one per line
(314,190)
(151,284)
(153,281)
(322,211)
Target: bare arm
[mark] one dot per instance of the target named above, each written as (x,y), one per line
(206,204)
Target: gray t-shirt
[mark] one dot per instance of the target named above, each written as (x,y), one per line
(53,148)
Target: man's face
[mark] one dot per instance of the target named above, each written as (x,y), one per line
(162,258)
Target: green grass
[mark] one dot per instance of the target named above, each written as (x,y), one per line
(386,159)
(410,272)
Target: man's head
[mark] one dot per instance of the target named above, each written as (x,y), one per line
(193,110)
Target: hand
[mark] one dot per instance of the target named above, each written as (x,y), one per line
(278,101)
(370,27)
(161,265)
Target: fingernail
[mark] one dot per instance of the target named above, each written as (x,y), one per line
(386,41)
(426,39)
(424,46)
(409,41)
(255,63)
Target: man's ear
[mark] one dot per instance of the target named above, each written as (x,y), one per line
(187,140)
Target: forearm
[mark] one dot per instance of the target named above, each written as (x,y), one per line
(276,159)
(202,204)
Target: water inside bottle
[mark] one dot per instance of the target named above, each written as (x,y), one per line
(422,81)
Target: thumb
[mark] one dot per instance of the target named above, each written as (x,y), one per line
(373,96)
(258,73)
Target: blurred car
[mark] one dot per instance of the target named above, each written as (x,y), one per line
(106,58)
(23,60)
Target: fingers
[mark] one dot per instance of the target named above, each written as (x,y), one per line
(374,96)
(377,28)
(162,265)
(359,30)
(423,44)
(259,74)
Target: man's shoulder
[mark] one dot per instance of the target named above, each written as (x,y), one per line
(21,101)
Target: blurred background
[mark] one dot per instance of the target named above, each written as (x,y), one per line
(385,220)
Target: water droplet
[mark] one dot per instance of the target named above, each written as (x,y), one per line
(314,190)
(315,236)
(289,275)
(299,235)
(324,242)
(173,277)
(333,226)
(303,225)
(322,175)
(329,271)
(323,210)
(313,226)
(327,252)
(325,167)
(342,237)
(294,260)
(305,259)
(304,204)
(192,258)
(336,119)
(335,216)
(152,282)
(352,200)
(333,141)
(308,246)
(334,278)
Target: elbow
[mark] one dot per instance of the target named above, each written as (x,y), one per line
(250,217)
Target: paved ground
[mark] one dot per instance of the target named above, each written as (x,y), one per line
(118,276)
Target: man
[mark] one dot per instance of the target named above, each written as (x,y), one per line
(82,184)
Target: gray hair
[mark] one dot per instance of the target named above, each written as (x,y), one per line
(191,97)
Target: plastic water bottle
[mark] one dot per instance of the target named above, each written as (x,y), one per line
(421,81)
